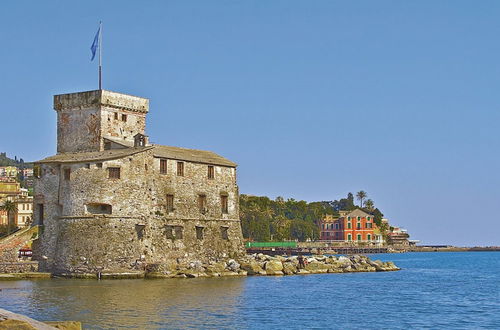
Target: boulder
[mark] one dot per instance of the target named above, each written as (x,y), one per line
(273,265)
(252,268)
(289,268)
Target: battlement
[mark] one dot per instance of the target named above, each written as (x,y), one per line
(98,98)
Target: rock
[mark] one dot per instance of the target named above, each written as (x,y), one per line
(273,265)
(289,268)
(216,268)
(233,265)
(316,267)
(253,268)
(274,272)
(302,272)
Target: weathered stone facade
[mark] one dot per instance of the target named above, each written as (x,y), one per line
(108,201)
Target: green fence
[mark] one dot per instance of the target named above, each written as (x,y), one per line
(271,244)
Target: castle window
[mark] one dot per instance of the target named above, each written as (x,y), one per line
(40,214)
(99,165)
(178,232)
(67,174)
(124,117)
(98,208)
(163,166)
(211,172)
(224,232)
(139,229)
(170,203)
(87,165)
(173,232)
(224,204)
(199,232)
(202,203)
(116,115)
(180,168)
(113,172)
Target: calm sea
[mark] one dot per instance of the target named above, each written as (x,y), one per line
(433,291)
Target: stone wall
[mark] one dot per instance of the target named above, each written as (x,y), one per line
(83,119)
(19,267)
(139,229)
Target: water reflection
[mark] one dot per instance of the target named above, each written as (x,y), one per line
(129,303)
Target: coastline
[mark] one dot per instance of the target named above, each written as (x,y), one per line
(248,265)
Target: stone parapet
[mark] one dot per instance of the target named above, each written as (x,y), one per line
(97,98)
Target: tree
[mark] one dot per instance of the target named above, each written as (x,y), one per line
(9,207)
(360,196)
(370,205)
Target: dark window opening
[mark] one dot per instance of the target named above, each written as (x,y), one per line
(67,174)
(180,168)
(170,203)
(199,232)
(40,214)
(124,117)
(163,166)
(99,165)
(116,115)
(87,165)
(113,172)
(99,208)
(224,232)
(224,204)
(174,232)
(211,172)
(202,203)
(139,228)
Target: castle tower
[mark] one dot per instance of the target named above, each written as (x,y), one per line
(98,120)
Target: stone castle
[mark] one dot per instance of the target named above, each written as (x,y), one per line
(111,202)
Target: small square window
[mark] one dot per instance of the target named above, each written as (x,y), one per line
(163,166)
(170,203)
(99,165)
(224,233)
(67,174)
(124,117)
(224,204)
(202,203)
(180,168)
(113,172)
(211,172)
(199,232)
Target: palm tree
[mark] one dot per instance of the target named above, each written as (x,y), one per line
(361,195)
(369,204)
(9,207)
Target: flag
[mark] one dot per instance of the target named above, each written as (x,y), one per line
(95,44)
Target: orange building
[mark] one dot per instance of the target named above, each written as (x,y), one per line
(349,226)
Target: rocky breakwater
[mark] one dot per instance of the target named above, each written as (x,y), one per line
(260,264)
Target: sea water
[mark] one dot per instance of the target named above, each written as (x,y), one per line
(446,290)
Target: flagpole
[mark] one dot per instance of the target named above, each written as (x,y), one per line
(100,55)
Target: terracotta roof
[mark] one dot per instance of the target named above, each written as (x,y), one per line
(192,155)
(79,157)
(358,213)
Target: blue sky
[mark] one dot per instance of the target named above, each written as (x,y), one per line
(312,99)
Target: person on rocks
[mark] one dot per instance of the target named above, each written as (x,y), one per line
(300,258)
